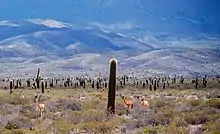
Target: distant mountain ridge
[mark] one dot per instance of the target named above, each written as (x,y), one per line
(60,48)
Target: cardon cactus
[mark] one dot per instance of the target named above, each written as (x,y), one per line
(196,83)
(112,86)
(11,86)
(38,78)
(42,87)
(155,85)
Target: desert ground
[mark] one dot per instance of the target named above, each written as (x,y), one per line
(175,109)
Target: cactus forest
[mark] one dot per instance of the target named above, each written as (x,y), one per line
(110,104)
(109,67)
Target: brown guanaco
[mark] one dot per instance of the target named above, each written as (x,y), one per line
(128,102)
(39,106)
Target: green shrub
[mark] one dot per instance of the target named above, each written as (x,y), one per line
(15,131)
(195,103)
(149,130)
(213,103)
(197,118)
(212,127)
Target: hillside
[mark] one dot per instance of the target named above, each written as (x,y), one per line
(60,47)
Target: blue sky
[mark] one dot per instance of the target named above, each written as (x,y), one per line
(201,15)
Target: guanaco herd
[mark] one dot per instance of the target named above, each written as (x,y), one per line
(129,102)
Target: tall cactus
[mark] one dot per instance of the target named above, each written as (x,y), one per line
(42,87)
(28,83)
(93,84)
(164,85)
(124,80)
(155,85)
(204,81)
(97,85)
(181,80)
(13,82)
(112,86)
(38,79)
(11,86)
(196,84)
(46,84)
(150,86)
(143,84)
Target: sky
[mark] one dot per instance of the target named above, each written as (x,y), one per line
(165,15)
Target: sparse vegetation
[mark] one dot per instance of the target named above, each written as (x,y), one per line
(80,108)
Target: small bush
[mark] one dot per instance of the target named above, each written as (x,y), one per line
(158,103)
(213,103)
(68,104)
(100,127)
(197,118)
(19,122)
(12,125)
(60,126)
(180,122)
(212,127)
(15,131)
(148,130)
(195,103)
(28,111)
(15,99)
(104,128)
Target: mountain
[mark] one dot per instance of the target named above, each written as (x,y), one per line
(172,61)
(183,17)
(60,48)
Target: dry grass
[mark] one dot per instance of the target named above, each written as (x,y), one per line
(169,112)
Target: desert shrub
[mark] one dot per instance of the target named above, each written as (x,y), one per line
(120,109)
(19,122)
(197,118)
(93,115)
(172,129)
(10,109)
(104,127)
(195,103)
(60,126)
(149,130)
(15,131)
(184,108)
(12,125)
(158,103)
(150,118)
(213,103)
(67,104)
(28,111)
(180,122)
(99,127)
(211,127)
(15,99)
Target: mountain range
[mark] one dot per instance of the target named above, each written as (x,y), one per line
(60,48)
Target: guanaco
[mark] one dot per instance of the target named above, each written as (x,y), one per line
(39,106)
(129,103)
(144,103)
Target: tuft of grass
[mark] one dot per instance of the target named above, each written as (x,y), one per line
(15,131)
(149,130)
(213,103)
(195,103)
(105,127)
(197,118)
(211,127)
